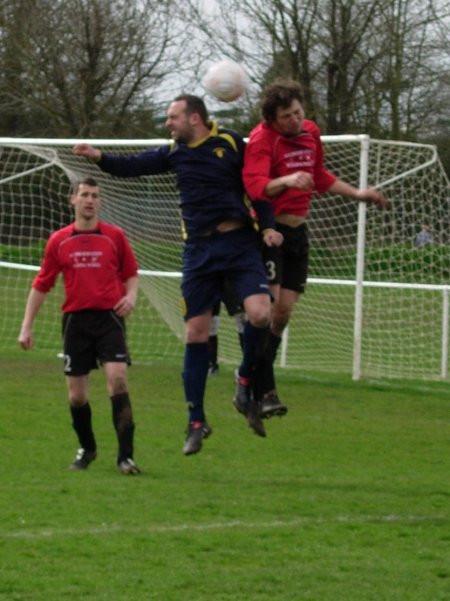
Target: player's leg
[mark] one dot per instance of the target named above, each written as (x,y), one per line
(213,341)
(270,404)
(122,415)
(255,337)
(200,288)
(79,359)
(264,380)
(246,275)
(256,331)
(195,373)
(264,388)
(292,279)
(289,271)
(112,352)
(80,409)
(282,310)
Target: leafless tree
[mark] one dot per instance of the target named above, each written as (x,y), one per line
(86,67)
(106,67)
(365,64)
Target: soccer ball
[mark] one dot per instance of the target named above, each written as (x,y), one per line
(226,80)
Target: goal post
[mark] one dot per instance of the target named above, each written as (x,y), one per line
(376,304)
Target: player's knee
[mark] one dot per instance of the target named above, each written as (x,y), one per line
(117,385)
(77,401)
(197,331)
(260,317)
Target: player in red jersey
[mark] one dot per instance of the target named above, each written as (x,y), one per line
(100,276)
(284,165)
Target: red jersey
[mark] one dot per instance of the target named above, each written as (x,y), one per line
(95,265)
(269,155)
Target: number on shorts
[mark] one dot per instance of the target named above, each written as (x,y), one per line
(67,363)
(270,270)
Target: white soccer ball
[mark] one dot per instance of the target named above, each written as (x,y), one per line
(226,80)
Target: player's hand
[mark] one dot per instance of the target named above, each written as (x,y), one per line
(372,195)
(272,238)
(87,151)
(300,180)
(25,339)
(124,306)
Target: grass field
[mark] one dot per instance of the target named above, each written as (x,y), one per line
(347,499)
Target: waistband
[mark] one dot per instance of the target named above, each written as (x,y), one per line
(290,220)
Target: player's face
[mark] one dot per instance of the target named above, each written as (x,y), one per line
(86,202)
(289,121)
(179,122)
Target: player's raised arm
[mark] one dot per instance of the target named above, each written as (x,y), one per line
(87,151)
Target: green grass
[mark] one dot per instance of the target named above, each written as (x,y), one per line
(346,499)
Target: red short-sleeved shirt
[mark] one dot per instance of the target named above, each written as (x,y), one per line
(94,265)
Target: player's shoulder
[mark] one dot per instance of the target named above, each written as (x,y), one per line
(311,127)
(110,229)
(262,135)
(61,233)
(261,130)
(229,136)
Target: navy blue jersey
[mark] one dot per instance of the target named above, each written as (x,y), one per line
(208,175)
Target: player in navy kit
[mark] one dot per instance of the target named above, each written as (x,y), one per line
(100,276)
(221,244)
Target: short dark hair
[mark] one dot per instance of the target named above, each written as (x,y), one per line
(194,104)
(87,180)
(280,94)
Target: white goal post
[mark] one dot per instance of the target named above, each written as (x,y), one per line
(376,303)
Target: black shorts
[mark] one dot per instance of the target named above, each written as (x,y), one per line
(93,337)
(287,264)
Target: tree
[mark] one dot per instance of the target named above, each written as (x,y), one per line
(84,67)
(366,65)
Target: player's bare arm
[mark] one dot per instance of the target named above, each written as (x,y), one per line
(372,195)
(34,302)
(301,180)
(359,194)
(127,303)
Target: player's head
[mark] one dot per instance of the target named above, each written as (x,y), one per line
(282,106)
(86,200)
(187,115)
(87,180)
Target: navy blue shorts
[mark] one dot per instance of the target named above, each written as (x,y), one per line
(287,264)
(211,263)
(92,337)
(230,300)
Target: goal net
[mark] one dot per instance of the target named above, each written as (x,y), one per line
(404,292)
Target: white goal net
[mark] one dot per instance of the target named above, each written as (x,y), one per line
(401,306)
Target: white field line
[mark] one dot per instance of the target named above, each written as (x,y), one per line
(106,529)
